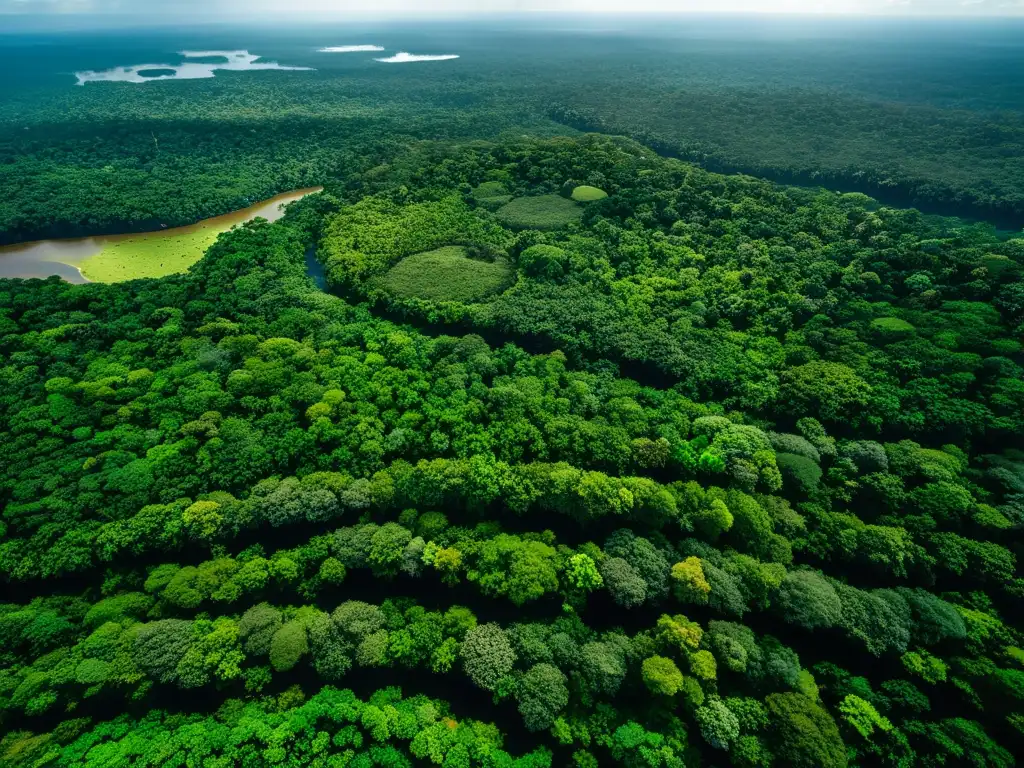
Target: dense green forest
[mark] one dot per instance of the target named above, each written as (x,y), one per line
(926,117)
(585,457)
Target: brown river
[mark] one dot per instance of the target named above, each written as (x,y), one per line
(185,245)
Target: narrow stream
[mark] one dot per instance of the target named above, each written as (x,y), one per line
(315,269)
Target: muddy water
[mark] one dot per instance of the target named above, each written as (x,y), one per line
(43,258)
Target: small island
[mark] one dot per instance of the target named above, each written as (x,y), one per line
(154,73)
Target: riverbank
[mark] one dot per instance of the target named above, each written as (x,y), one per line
(129,256)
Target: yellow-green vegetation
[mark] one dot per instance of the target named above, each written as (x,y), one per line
(542,212)
(151,254)
(491,195)
(587,194)
(234,468)
(446,274)
(169,251)
(892,327)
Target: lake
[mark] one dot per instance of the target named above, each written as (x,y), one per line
(111,258)
(193,68)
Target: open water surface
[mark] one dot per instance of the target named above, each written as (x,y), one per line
(61,257)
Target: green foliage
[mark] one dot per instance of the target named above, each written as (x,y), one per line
(662,676)
(703,665)
(491,195)
(603,666)
(713,520)
(587,194)
(365,240)
(258,627)
(542,695)
(804,734)
(129,605)
(358,619)
(800,472)
(340,729)
(863,717)
(487,655)
(634,746)
(446,274)
(543,261)
(718,725)
(925,666)
(212,458)
(582,573)
(808,600)
(830,389)
(288,645)
(523,570)
(689,583)
(203,519)
(544,212)
(891,328)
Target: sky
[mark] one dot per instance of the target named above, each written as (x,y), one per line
(388,8)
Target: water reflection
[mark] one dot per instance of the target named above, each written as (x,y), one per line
(315,269)
(232,61)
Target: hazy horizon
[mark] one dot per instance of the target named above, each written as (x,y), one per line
(256,10)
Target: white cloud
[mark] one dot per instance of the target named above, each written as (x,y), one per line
(404,58)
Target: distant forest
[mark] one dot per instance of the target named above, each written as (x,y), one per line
(933,120)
